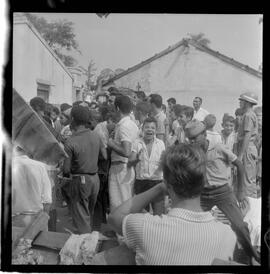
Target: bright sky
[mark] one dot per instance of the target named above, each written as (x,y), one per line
(123,40)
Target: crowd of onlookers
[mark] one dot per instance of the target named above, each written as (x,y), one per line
(172,188)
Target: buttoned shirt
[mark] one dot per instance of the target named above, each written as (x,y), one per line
(213,137)
(125,130)
(182,237)
(249,123)
(218,170)
(83,148)
(200,114)
(31,186)
(229,141)
(148,167)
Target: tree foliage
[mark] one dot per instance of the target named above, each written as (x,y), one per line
(200,39)
(59,35)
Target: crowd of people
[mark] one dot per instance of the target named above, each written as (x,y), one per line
(173,189)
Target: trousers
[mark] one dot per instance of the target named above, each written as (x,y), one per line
(81,200)
(250,158)
(225,200)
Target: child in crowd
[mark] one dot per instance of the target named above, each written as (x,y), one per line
(213,136)
(176,109)
(185,116)
(228,134)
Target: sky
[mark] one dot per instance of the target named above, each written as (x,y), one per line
(123,40)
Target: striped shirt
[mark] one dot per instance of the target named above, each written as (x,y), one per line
(182,237)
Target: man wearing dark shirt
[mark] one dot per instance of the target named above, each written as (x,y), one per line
(83,148)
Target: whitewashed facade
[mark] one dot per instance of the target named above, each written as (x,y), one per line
(37,71)
(186,70)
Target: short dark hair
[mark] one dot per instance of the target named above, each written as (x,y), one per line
(184,169)
(37,103)
(56,110)
(80,115)
(197,97)
(171,100)
(112,115)
(124,103)
(239,112)
(150,120)
(228,118)
(64,107)
(156,99)
(188,111)
(177,110)
(143,107)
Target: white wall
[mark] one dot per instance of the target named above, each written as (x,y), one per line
(32,61)
(186,73)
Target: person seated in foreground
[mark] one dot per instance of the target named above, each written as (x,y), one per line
(186,235)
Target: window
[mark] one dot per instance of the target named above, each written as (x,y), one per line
(43,91)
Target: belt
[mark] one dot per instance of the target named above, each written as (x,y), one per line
(82,174)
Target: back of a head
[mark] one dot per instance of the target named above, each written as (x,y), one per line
(37,103)
(156,99)
(210,121)
(124,104)
(80,115)
(184,169)
(143,107)
(171,100)
(187,110)
(64,107)
(177,110)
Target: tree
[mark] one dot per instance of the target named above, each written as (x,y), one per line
(200,39)
(59,35)
(90,73)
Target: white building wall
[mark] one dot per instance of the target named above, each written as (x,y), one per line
(186,73)
(32,61)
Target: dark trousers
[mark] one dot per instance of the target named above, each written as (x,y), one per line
(102,203)
(225,200)
(81,199)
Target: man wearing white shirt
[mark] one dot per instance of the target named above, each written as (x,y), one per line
(31,186)
(121,177)
(199,113)
(146,154)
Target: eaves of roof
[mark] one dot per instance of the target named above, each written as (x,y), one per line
(21,19)
(186,42)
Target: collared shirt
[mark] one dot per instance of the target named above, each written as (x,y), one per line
(249,123)
(66,132)
(31,186)
(200,114)
(83,148)
(213,137)
(125,130)
(229,141)
(182,237)
(148,167)
(218,170)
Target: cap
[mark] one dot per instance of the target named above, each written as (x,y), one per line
(80,114)
(194,128)
(250,97)
(210,121)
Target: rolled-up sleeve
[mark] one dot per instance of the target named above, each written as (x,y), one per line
(132,228)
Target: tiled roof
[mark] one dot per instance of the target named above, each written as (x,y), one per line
(185,42)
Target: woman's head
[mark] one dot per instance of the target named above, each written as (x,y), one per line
(183,168)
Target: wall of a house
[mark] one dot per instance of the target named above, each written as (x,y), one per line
(33,61)
(188,72)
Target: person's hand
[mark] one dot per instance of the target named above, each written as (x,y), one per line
(163,188)
(46,208)
(244,206)
(240,158)
(139,155)
(240,195)
(110,142)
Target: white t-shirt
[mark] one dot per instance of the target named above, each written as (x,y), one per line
(31,186)
(125,130)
